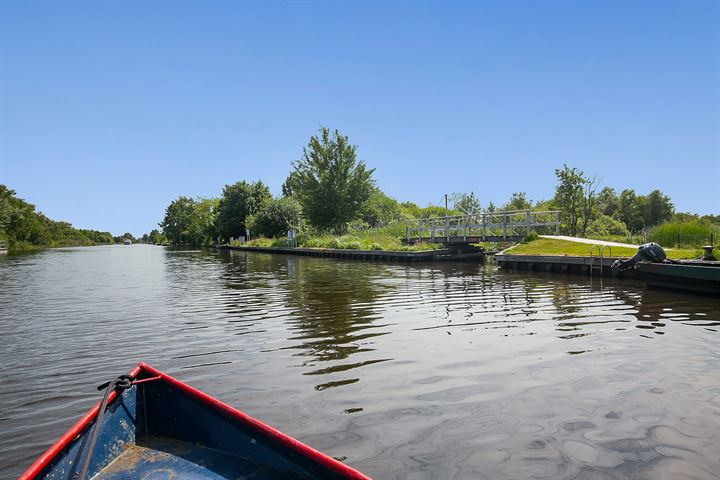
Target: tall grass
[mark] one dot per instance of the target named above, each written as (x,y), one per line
(684,234)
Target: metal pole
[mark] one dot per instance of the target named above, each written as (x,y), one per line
(446,207)
(557,225)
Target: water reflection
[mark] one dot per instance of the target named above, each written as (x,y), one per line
(447,370)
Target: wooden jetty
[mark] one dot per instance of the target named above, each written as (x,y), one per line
(503,226)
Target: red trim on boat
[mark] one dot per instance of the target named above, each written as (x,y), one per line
(311,453)
(44,459)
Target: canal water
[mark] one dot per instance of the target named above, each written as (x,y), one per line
(438,371)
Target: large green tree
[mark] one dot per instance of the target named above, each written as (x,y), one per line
(156,237)
(190,221)
(569,196)
(657,208)
(237,203)
(466,203)
(630,210)
(329,182)
(518,201)
(608,202)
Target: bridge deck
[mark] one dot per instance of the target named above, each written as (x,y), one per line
(464,240)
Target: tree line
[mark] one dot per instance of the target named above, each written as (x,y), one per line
(329,190)
(22,227)
(588,210)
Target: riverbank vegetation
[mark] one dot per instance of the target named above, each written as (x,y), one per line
(22,227)
(378,238)
(331,199)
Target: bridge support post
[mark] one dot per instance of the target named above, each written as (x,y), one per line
(484,225)
(432,231)
(407,233)
(504,226)
(447,229)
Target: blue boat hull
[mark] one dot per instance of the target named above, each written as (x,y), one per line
(163,429)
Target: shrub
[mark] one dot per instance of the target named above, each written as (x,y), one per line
(531,236)
(258,242)
(376,246)
(354,245)
(275,217)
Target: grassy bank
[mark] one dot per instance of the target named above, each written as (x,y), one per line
(548,246)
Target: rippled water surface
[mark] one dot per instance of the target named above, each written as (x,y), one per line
(448,370)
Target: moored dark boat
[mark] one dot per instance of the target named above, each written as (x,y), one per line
(158,427)
(694,276)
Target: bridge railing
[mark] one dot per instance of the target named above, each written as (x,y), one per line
(505,224)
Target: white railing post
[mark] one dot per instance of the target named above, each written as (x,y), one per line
(529,222)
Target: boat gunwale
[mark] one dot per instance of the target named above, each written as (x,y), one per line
(62,442)
(314,455)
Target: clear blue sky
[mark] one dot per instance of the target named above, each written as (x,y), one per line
(110,110)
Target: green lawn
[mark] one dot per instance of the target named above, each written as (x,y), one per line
(548,246)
